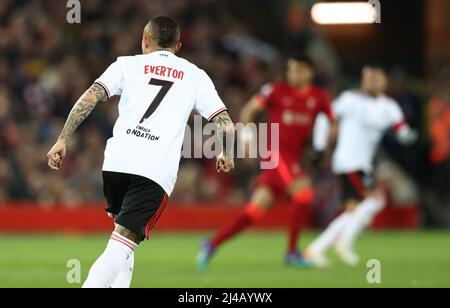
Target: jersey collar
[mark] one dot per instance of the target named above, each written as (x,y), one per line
(304,92)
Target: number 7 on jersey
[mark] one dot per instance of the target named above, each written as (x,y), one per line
(165,87)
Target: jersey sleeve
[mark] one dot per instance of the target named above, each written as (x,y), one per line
(321,132)
(112,79)
(208,103)
(265,94)
(397,119)
(341,105)
(405,134)
(325,107)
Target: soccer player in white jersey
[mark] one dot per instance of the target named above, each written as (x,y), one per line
(158,93)
(364,116)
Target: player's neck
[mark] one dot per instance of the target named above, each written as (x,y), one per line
(303,87)
(152,50)
(373,94)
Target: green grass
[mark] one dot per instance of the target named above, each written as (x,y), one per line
(253,260)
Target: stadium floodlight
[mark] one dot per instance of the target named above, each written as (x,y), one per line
(344,13)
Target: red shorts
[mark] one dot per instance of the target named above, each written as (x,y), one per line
(279,179)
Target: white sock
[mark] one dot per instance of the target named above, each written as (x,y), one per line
(108,266)
(361,218)
(327,237)
(123,279)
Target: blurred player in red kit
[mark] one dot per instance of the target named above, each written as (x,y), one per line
(294,105)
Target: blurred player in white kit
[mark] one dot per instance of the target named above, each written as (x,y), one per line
(364,116)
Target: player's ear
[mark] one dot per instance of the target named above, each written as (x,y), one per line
(178,47)
(145,43)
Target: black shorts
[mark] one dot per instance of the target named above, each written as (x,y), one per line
(135,201)
(356,185)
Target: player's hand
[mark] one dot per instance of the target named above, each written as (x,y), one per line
(56,155)
(224,164)
(410,138)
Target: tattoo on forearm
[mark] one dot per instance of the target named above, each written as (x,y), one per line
(225,132)
(83,109)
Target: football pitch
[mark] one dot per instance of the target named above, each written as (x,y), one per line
(417,259)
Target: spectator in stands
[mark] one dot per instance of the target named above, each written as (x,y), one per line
(439,129)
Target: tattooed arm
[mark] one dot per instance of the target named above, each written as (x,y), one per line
(225,132)
(82,109)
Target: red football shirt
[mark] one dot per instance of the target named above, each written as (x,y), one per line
(295,110)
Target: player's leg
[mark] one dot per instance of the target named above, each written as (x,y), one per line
(115,186)
(355,187)
(125,275)
(123,279)
(352,194)
(261,201)
(140,208)
(115,257)
(316,251)
(302,195)
(361,218)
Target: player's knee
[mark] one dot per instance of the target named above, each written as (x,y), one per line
(262,198)
(351,206)
(304,196)
(299,184)
(128,234)
(255,211)
(378,194)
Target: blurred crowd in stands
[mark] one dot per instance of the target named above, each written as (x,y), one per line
(46,64)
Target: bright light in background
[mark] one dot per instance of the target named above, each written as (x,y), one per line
(344,13)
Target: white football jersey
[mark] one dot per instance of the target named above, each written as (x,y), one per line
(158,93)
(363,120)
